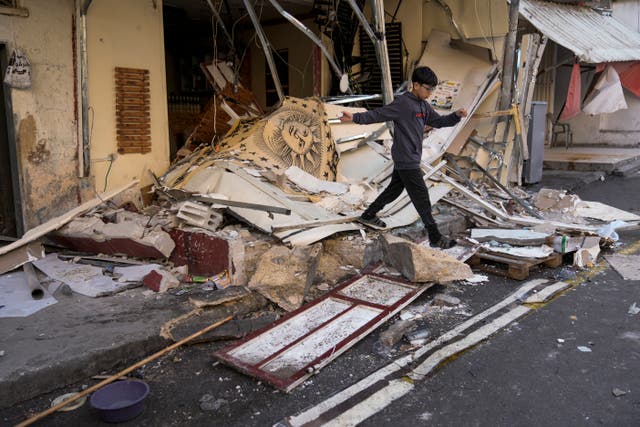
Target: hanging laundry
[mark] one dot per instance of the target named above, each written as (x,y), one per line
(630,78)
(574,95)
(607,95)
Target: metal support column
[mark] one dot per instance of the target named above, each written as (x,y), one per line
(266,47)
(381,49)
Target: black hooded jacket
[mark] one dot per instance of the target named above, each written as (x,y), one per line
(410,115)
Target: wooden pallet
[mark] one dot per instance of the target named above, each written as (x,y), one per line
(516,268)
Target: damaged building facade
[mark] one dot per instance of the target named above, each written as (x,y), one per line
(64,140)
(197,145)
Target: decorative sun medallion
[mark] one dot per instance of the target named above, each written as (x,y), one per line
(293,138)
(296,134)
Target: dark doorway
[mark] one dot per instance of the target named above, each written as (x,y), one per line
(10,216)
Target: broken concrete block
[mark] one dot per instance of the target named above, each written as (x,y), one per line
(127,236)
(337,253)
(160,281)
(443,300)
(420,264)
(395,332)
(284,275)
(208,253)
(200,215)
(558,200)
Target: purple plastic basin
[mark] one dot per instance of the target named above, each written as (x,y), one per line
(120,401)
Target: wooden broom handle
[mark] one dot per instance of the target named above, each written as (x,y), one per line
(122,373)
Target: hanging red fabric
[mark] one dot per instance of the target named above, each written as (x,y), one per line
(574,96)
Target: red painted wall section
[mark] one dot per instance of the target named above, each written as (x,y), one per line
(204,254)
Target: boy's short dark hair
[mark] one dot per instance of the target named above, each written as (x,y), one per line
(424,75)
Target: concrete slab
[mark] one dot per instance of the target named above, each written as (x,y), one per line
(590,158)
(79,337)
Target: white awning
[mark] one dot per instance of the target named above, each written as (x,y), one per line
(592,37)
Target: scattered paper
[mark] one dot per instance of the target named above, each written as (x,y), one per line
(15,297)
(84,279)
(633,309)
(617,392)
(584,349)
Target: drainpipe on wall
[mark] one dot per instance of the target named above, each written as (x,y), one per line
(84,158)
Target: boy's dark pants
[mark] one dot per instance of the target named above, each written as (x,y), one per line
(412,181)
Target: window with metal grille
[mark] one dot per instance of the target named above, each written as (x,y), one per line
(133,119)
(372,75)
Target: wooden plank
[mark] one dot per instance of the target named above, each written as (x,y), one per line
(133,132)
(123,96)
(131,79)
(141,126)
(123,114)
(132,70)
(129,107)
(134,90)
(517,268)
(131,150)
(59,221)
(134,142)
(130,120)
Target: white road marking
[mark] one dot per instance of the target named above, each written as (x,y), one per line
(316,411)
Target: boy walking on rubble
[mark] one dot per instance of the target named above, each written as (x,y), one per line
(411,115)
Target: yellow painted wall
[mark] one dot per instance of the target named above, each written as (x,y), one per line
(43,115)
(125,33)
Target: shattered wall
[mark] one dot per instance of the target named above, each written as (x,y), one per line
(43,115)
(124,33)
(285,36)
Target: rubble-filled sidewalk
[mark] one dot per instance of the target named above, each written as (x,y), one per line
(261,225)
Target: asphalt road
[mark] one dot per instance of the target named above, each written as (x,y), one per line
(529,373)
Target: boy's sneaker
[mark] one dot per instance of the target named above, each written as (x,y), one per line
(443,243)
(372,221)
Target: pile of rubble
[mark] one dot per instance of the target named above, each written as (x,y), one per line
(262,220)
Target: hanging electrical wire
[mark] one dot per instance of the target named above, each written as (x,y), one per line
(491,45)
